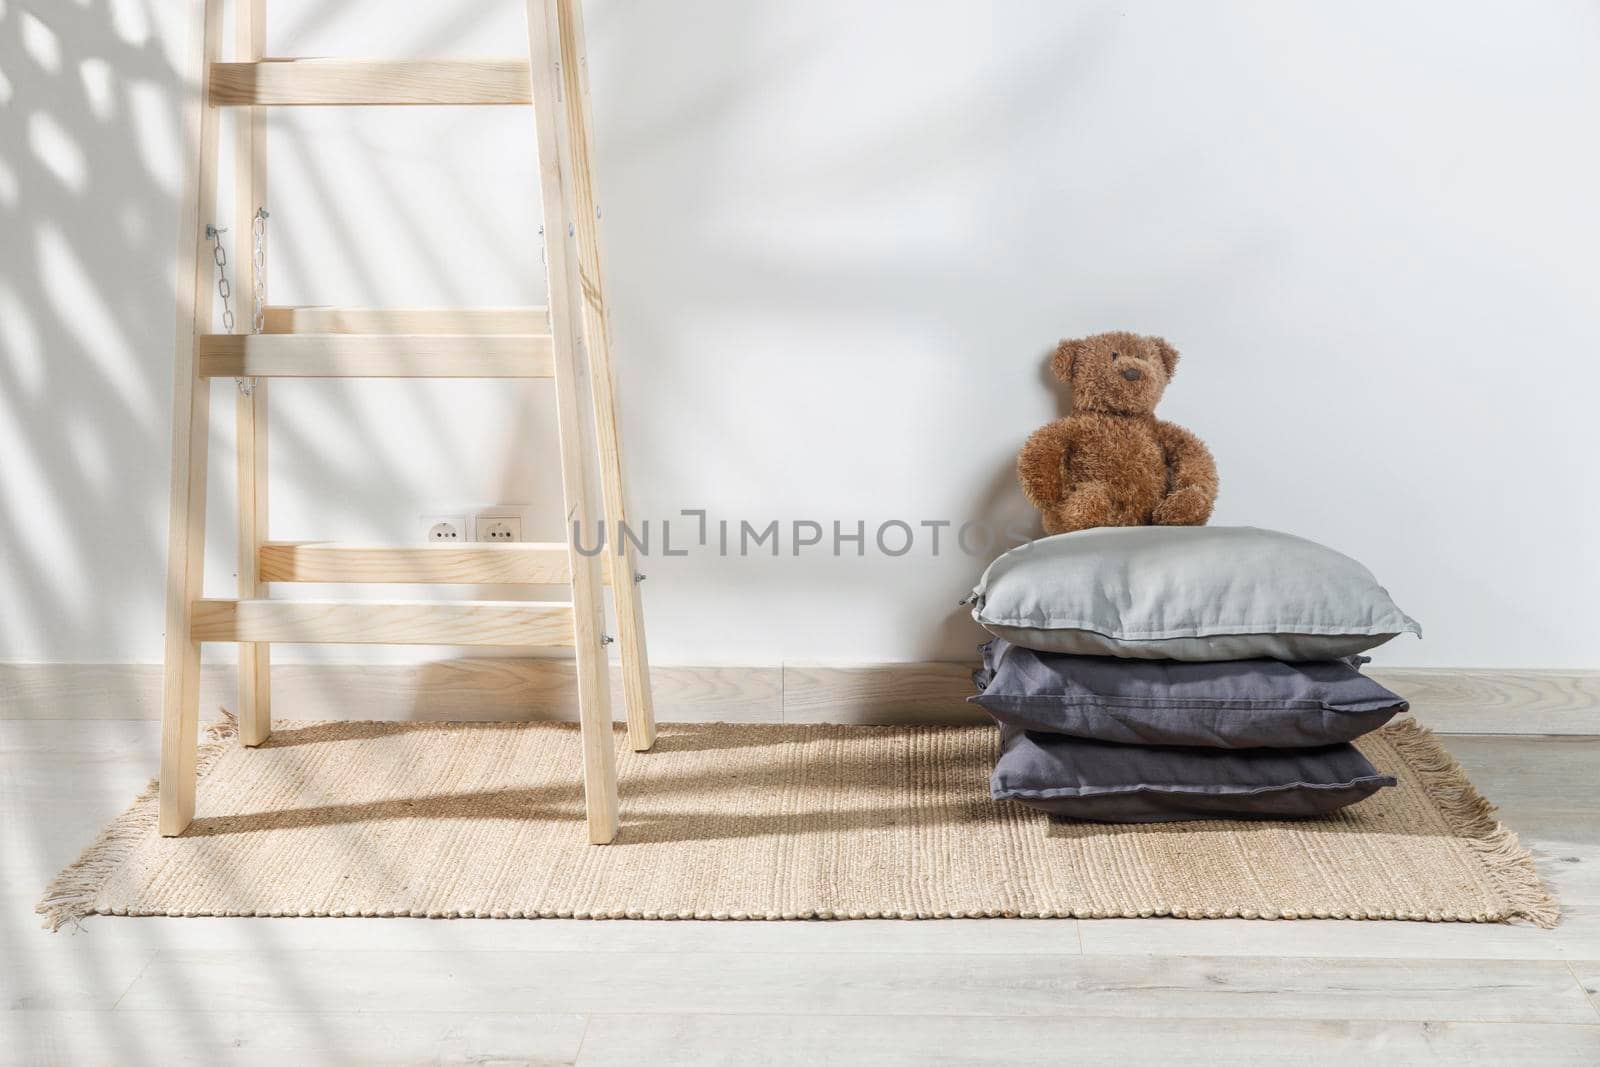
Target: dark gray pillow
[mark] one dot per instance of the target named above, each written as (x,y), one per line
(1105,782)
(1186,592)
(1246,703)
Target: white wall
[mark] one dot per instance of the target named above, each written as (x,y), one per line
(842,237)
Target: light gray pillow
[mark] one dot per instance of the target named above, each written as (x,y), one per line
(1237,703)
(1186,592)
(1104,782)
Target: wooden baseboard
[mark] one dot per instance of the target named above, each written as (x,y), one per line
(463,689)
(1451,701)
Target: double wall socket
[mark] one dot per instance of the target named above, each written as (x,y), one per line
(497,525)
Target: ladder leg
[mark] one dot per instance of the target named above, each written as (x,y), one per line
(250,194)
(621,557)
(599,748)
(635,659)
(255,671)
(180,687)
(576,425)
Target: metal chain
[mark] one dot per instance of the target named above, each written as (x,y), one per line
(260,232)
(220,256)
(258,317)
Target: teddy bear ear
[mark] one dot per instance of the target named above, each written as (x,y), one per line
(1066,355)
(1168,354)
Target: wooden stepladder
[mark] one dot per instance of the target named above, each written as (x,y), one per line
(569,341)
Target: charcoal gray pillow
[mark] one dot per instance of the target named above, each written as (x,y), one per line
(1246,703)
(1186,592)
(1105,782)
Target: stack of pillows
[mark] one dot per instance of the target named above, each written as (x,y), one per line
(1161,673)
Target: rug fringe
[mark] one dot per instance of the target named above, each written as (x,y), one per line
(1472,817)
(71,896)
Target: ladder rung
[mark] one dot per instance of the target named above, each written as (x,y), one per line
(486,622)
(341,82)
(474,564)
(290,319)
(263,355)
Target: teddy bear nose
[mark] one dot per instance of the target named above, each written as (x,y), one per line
(1133,374)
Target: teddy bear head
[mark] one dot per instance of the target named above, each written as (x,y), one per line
(1117,373)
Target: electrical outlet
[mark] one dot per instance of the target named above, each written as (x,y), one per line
(499,527)
(444,529)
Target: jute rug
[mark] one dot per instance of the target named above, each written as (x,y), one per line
(764,822)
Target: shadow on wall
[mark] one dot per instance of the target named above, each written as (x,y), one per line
(87,98)
(89,172)
(90,164)
(825,231)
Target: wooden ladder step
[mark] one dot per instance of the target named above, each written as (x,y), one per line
(324,319)
(485,622)
(530,563)
(333,355)
(369,82)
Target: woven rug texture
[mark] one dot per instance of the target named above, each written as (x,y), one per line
(460,820)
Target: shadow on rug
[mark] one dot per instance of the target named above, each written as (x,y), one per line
(481,820)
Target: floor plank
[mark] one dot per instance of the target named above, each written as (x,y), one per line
(1588,975)
(1547,773)
(1499,701)
(875,984)
(1548,793)
(34,975)
(257,1039)
(950,937)
(921,1041)
(1577,937)
(34,846)
(1566,848)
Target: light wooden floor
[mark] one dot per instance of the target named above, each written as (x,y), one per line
(292,991)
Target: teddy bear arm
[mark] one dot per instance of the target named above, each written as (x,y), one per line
(1191,478)
(1189,462)
(1040,462)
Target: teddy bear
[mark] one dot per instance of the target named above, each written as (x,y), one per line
(1110,461)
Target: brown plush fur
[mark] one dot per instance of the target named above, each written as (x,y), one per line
(1111,462)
